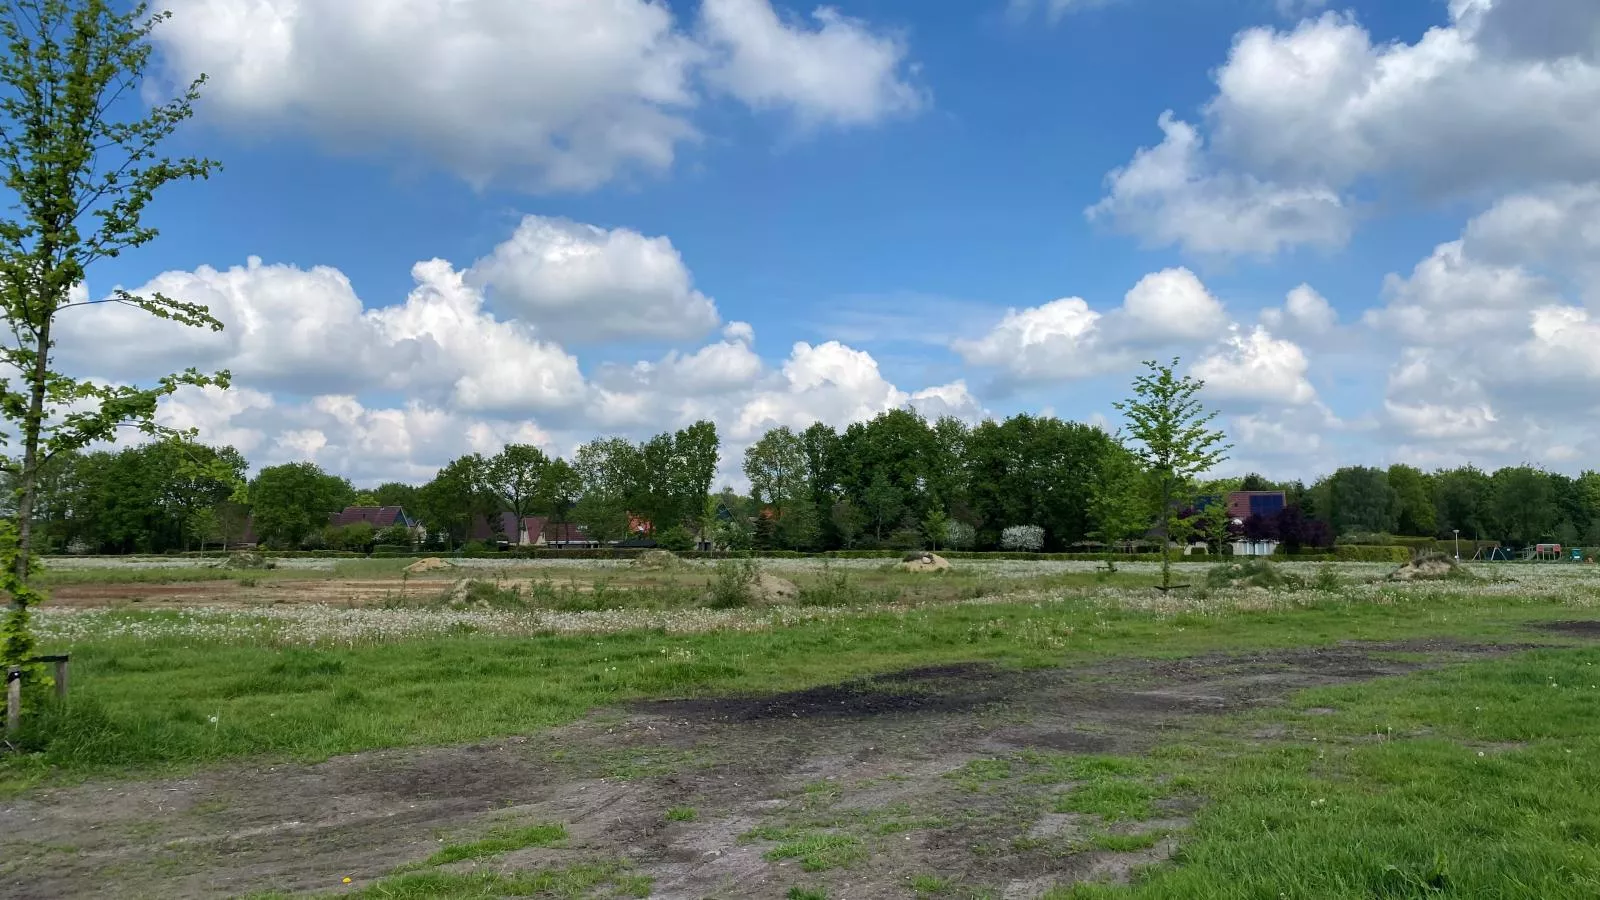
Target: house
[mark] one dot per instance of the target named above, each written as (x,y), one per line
(379,517)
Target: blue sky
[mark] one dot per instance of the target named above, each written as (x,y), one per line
(917,191)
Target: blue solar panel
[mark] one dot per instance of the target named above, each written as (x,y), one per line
(1266,504)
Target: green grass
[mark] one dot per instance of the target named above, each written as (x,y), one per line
(800,893)
(929,885)
(146,703)
(681,814)
(499,841)
(1126,843)
(609,880)
(820,852)
(1471,781)
(1121,799)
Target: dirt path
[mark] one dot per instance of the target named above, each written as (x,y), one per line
(870,760)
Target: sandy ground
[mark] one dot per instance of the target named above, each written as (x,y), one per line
(871,758)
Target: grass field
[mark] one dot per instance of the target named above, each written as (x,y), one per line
(1023,729)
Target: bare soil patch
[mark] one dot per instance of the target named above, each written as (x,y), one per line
(188,594)
(1589,628)
(877,759)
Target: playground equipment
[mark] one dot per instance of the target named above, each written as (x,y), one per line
(1535,553)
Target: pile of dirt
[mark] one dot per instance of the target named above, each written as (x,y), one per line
(657,560)
(923,561)
(431,564)
(770,590)
(1431,567)
(247,559)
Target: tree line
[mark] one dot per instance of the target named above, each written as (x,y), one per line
(896,481)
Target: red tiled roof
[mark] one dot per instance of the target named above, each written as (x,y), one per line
(377,516)
(533,526)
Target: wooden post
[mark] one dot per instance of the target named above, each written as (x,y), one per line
(13,700)
(61,678)
(60,662)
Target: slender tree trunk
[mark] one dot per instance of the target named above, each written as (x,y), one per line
(31,428)
(1166,535)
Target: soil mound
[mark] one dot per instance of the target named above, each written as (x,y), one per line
(770,590)
(247,560)
(1431,567)
(431,564)
(924,562)
(657,560)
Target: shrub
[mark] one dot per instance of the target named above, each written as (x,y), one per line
(730,586)
(1022,537)
(676,538)
(959,535)
(1367,539)
(1251,573)
(1327,579)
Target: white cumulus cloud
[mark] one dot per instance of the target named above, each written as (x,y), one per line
(1168,195)
(840,72)
(534,94)
(576,282)
(1256,367)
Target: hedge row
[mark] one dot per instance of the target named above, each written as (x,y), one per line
(1342,553)
(1371,554)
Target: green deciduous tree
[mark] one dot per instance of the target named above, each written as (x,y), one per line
(1524,505)
(448,503)
(1175,444)
(291,502)
(1413,491)
(80,180)
(1119,506)
(394,493)
(777,467)
(1463,499)
(1361,501)
(514,477)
